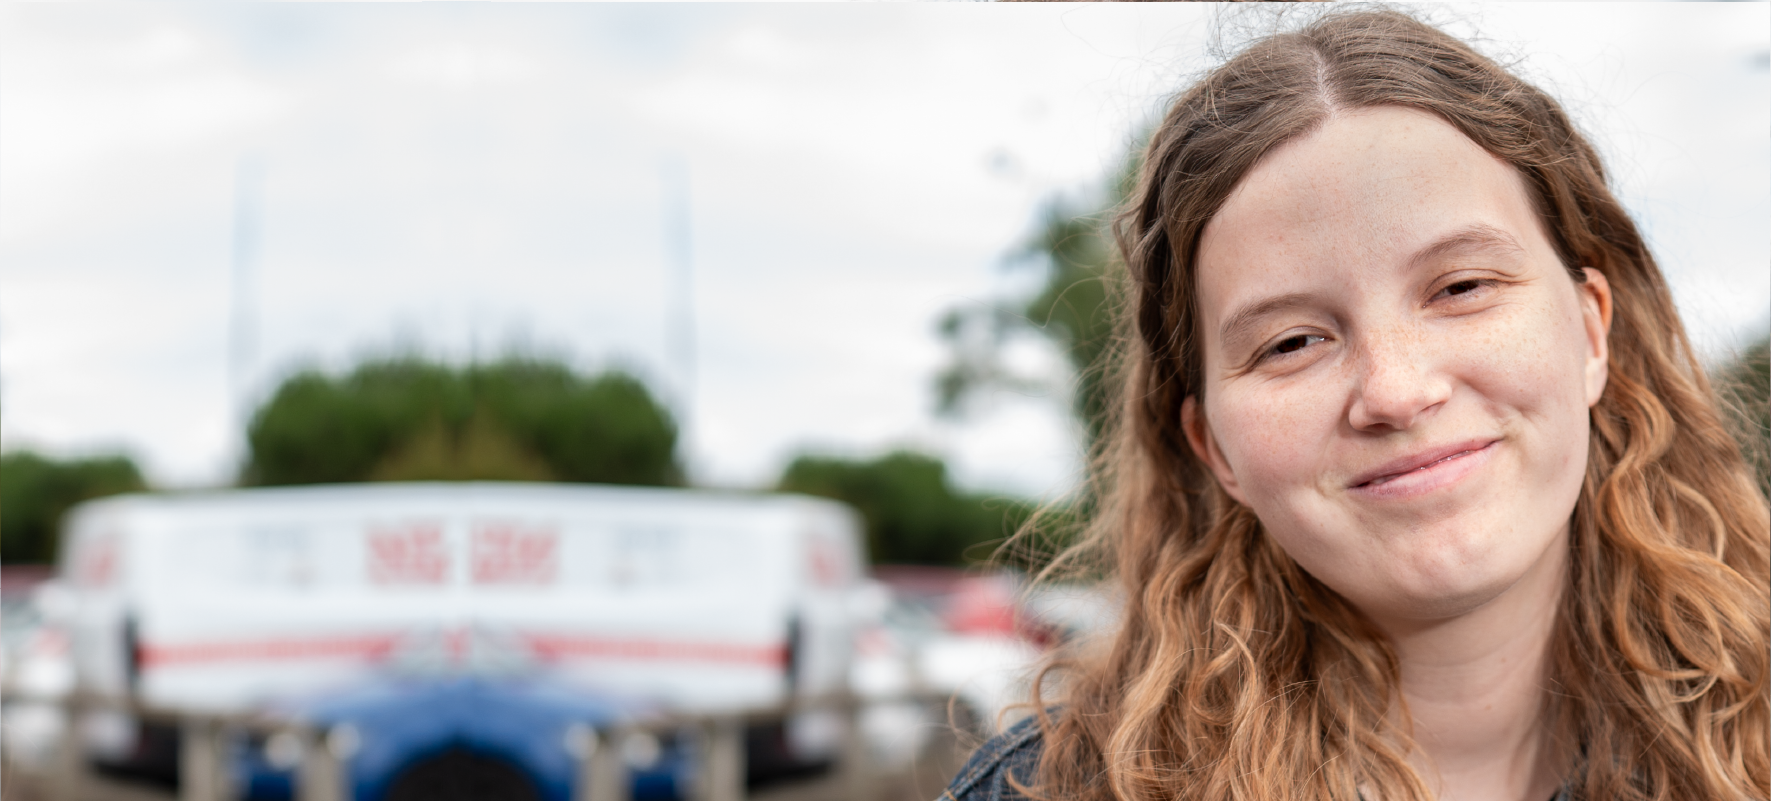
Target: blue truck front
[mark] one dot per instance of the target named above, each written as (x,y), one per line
(441,738)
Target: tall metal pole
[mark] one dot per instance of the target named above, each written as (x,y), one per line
(243,325)
(680,336)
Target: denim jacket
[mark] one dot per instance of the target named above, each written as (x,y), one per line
(1016,752)
(985,776)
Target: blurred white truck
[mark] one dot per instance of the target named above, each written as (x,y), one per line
(226,600)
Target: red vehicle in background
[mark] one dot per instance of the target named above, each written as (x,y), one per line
(969,603)
(976,637)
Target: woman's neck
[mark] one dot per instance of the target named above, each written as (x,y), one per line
(1475,687)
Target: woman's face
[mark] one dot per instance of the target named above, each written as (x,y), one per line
(1397,367)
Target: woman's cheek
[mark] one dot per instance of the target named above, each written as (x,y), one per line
(1273,439)
(1531,365)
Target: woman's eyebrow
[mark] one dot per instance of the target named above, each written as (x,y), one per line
(1236,325)
(1474,238)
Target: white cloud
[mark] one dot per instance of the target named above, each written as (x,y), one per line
(460,176)
(464,64)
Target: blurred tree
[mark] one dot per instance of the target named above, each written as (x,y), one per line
(1073,309)
(912,514)
(1746,385)
(36,490)
(606,429)
(518,419)
(482,449)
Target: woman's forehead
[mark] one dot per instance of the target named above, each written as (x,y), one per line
(1374,189)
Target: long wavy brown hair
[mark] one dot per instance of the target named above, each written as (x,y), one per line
(1237,675)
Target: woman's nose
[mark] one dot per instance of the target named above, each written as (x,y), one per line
(1399,381)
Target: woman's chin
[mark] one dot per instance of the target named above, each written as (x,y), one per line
(1423,591)
(1423,598)
(1424,607)
(1438,573)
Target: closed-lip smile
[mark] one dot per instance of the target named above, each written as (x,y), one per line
(1415,470)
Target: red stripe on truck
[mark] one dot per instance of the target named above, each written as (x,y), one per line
(571,646)
(379,646)
(373,646)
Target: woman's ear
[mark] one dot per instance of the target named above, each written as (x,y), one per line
(1205,447)
(1595,306)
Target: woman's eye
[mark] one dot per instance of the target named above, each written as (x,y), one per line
(1294,344)
(1462,288)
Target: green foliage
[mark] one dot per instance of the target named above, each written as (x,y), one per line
(1746,385)
(1073,310)
(481,450)
(516,420)
(35,491)
(913,515)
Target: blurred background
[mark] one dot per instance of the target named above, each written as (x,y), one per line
(847,251)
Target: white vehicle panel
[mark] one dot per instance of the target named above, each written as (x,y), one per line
(234,598)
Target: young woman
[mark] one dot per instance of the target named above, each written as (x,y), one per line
(1418,490)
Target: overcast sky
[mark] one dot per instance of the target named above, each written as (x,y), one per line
(466,179)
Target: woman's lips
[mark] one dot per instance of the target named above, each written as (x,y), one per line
(1423,472)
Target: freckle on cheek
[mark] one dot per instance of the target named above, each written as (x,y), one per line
(1266,445)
